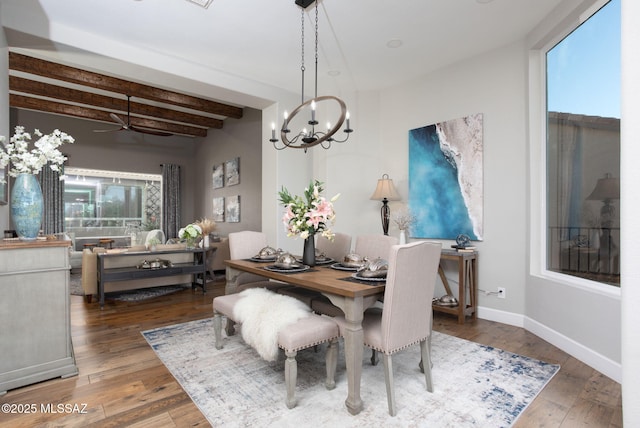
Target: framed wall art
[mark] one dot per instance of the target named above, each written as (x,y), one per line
(232,172)
(232,209)
(446,179)
(218,176)
(218,209)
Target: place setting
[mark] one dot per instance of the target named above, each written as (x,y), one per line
(364,270)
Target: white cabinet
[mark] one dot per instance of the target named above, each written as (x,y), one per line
(35,331)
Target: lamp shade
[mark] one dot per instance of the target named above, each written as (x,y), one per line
(606,188)
(385,190)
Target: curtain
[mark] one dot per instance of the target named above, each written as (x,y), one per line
(569,176)
(53,201)
(171,220)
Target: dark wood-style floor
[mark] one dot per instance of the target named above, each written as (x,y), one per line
(123,383)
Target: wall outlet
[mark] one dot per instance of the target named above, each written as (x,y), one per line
(502,293)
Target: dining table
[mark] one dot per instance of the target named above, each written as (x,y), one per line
(351,295)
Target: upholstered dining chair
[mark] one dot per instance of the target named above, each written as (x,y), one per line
(370,246)
(336,249)
(374,246)
(244,245)
(405,318)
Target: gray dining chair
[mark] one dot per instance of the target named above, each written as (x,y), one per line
(244,245)
(405,318)
(336,249)
(370,246)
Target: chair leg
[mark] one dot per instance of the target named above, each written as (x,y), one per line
(426,356)
(217,328)
(230,327)
(388,379)
(291,377)
(429,351)
(374,357)
(332,363)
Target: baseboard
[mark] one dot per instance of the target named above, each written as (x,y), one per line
(503,317)
(588,356)
(593,359)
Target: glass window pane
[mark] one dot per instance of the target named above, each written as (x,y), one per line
(583,150)
(110,204)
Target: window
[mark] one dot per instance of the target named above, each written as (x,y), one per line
(110,203)
(583,150)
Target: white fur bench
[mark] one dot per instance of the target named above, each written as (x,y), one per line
(305,332)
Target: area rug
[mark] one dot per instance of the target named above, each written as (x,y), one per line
(75,287)
(474,385)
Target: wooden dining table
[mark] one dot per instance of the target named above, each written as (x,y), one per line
(350,296)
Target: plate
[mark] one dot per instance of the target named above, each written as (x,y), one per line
(274,268)
(324,261)
(263,260)
(362,278)
(340,266)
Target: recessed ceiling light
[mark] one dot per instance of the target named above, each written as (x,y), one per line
(394,43)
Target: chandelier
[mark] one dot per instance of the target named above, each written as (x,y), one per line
(313,136)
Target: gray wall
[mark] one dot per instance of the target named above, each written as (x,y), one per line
(239,138)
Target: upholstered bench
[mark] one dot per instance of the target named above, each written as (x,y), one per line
(308,331)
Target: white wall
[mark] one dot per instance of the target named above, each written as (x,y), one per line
(629,245)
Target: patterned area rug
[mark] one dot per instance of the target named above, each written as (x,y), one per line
(474,385)
(75,287)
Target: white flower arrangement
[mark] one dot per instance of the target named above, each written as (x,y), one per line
(25,161)
(190,231)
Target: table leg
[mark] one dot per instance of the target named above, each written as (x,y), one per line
(353,345)
(462,291)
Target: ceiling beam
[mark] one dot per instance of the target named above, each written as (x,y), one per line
(69,74)
(19,84)
(20,101)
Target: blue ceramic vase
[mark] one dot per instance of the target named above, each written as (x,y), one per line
(26,206)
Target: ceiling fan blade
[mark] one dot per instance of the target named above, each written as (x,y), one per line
(150,132)
(117,119)
(108,130)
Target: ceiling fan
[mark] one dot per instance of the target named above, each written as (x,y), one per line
(126,126)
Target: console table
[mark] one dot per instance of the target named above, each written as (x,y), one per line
(467,284)
(197,267)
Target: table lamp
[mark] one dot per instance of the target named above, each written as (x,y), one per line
(385,192)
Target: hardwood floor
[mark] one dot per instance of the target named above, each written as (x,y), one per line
(121,382)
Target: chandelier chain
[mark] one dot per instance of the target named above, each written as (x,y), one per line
(316,52)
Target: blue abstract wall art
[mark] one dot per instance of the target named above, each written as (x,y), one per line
(446,180)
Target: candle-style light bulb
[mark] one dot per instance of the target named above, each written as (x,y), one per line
(273,130)
(328,126)
(286,120)
(348,120)
(313,111)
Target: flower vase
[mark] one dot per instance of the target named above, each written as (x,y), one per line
(403,237)
(26,206)
(191,242)
(309,251)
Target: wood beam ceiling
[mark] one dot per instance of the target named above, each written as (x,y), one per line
(32,94)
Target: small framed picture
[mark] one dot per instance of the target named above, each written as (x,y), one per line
(218,209)
(232,171)
(218,176)
(232,209)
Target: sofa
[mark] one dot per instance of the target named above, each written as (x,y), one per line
(221,254)
(90,268)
